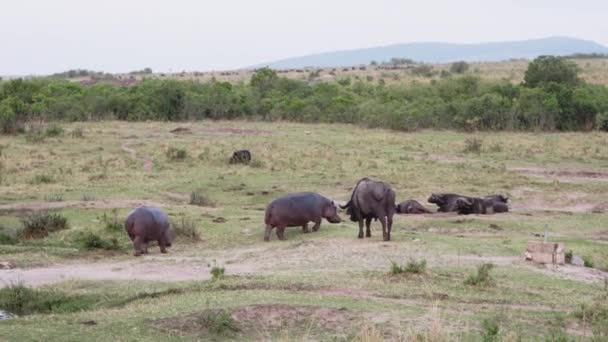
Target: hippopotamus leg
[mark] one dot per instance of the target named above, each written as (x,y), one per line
(267,232)
(368,230)
(305,228)
(281,232)
(137,246)
(317,225)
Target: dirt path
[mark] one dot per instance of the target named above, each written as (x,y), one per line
(337,255)
(562,175)
(147,161)
(24,207)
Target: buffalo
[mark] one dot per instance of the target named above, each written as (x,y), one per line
(372,200)
(411,207)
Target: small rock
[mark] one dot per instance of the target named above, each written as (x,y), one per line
(577,261)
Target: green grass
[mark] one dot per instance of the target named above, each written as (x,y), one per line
(217,213)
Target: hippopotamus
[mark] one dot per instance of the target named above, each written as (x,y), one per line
(240,157)
(145,224)
(372,200)
(411,207)
(296,210)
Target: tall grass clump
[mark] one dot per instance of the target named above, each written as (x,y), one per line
(482,277)
(40,224)
(21,300)
(176,153)
(198,197)
(186,228)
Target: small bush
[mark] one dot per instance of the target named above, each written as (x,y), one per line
(490,330)
(20,300)
(568,257)
(483,277)
(6,239)
(40,225)
(90,241)
(217,272)
(218,322)
(111,222)
(42,179)
(53,198)
(459,67)
(412,266)
(186,228)
(34,137)
(472,145)
(197,197)
(588,261)
(595,315)
(174,153)
(87,197)
(53,130)
(78,133)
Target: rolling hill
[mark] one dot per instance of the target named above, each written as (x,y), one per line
(433,52)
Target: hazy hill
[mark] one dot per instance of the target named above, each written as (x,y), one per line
(444,52)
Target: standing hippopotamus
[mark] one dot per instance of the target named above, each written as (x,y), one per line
(145,224)
(297,209)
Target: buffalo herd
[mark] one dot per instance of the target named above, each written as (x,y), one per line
(369,200)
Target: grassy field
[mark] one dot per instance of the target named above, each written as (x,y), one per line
(326,285)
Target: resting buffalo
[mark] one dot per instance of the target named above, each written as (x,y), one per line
(487,205)
(411,207)
(298,209)
(448,202)
(145,224)
(372,200)
(240,157)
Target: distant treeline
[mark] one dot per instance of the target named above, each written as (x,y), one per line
(552,97)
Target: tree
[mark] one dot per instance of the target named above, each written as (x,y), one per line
(264,80)
(551,69)
(459,67)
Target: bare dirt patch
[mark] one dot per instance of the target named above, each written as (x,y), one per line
(566,176)
(257,320)
(26,207)
(584,274)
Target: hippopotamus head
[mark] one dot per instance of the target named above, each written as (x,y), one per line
(330,213)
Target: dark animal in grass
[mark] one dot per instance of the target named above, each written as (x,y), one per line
(372,200)
(411,207)
(296,210)
(474,205)
(240,157)
(445,202)
(145,224)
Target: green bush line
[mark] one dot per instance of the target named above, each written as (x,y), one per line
(552,97)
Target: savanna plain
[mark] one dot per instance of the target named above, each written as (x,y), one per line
(221,281)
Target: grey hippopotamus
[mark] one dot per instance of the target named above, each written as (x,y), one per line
(372,200)
(296,210)
(145,224)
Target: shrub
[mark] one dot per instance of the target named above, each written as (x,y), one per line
(90,241)
(551,69)
(199,198)
(412,266)
(568,257)
(186,228)
(423,70)
(42,179)
(175,153)
(20,300)
(87,197)
(459,67)
(483,277)
(53,130)
(6,239)
(596,315)
(53,197)
(39,225)
(472,145)
(112,223)
(217,272)
(78,132)
(218,321)
(588,261)
(490,330)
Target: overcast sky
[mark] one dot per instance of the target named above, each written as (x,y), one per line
(46,36)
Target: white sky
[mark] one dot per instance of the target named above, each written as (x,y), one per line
(46,36)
